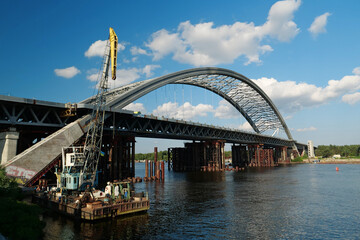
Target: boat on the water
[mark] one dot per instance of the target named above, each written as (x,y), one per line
(117,200)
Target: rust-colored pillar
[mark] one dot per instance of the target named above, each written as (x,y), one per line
(155,162)
(133,157)
(157,170)
(168,158)
(162,170)
(146,168)
(151,168)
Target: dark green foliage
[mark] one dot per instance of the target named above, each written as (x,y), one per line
(163,155)
(297,159)
(344,151)
(18,220)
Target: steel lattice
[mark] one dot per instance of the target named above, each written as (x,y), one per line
(241,92)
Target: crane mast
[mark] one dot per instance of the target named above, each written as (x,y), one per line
(92,147)
(80,165)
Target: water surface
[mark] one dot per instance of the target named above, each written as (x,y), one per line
(307,201)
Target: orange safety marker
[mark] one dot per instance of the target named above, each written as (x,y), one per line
(337,169)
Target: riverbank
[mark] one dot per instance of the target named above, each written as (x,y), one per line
(339,161)
(333,161)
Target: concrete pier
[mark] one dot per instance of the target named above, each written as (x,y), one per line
(122,158)
(8,145)
(239,155)
(197,155)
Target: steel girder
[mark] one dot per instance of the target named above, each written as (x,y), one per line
(29,112)
(241,92)
(151,126)
(34,114)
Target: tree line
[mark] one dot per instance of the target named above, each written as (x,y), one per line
(344,151)
(163,155)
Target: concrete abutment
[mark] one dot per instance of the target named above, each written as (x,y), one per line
(8,145)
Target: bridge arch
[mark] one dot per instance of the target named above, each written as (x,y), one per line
(250,100)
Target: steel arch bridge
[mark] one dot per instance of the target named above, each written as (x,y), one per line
(250,100)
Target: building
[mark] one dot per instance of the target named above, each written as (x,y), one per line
(311,152)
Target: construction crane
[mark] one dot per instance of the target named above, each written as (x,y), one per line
(79,164)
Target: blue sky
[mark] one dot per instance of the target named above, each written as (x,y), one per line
(303,54)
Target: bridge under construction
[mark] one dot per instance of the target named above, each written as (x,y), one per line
(33,132)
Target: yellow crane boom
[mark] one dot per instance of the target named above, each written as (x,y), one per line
(113,52)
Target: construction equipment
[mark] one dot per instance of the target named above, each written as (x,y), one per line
(79,164)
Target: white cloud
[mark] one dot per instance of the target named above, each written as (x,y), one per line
(67,72)
(351,98)
(319,24)
(225,110)
(356,71)
(309,129)
(138,51)
(121,46)
(125,76)
(136,107)
(185,111)
(97,49)
(279,23)
(205,44)
(93,77)
(148,70)
(245,127)
(290,96)
(92,74)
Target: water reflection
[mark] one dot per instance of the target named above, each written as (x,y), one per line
(59,227)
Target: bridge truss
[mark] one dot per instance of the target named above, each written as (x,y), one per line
(251,101)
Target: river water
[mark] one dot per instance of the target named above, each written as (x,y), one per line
(305,201)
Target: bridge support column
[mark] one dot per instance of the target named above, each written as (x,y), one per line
(197,156)
(260,156)
(215,157)
(253,155)
(268,157)
(282,155)
(8,145)
(239,156)
(122,158)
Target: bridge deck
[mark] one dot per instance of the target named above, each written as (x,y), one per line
(34,115)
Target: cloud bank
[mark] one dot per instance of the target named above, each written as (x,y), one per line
(185,111)
(290,96)
(136,107)
(206,44)
(124,76)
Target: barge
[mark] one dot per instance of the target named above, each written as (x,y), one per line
(92,204)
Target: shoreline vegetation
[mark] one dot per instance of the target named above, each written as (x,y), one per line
(334,161)
(18,219)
